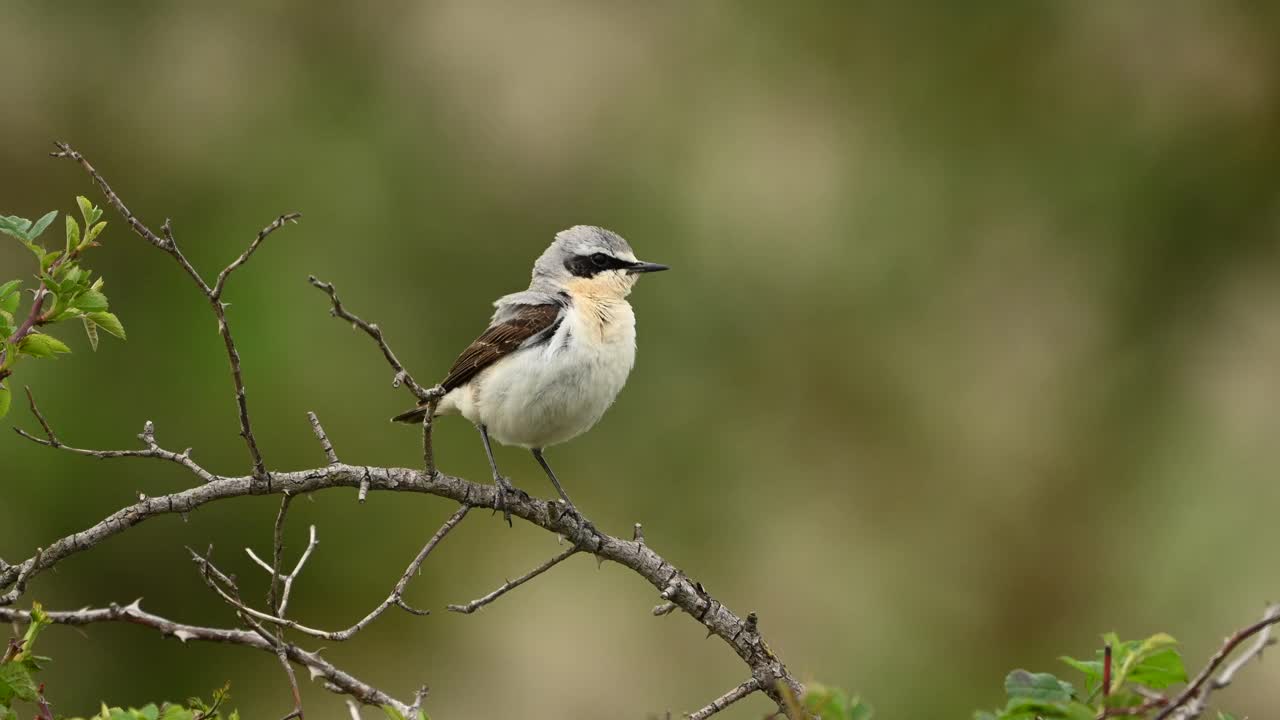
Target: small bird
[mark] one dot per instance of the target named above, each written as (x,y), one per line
(554,356)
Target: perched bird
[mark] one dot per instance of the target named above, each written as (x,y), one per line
(554,356)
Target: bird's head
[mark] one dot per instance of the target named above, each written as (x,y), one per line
(591,260)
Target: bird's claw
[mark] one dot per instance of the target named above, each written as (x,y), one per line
(571,510)
(505,492)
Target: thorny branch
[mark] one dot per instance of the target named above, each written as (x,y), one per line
(768,674)
(213,294)
(402,376)
(335,679)
(510,585)
(1191,703)
(395,598)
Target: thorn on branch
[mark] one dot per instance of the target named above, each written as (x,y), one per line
(638,534)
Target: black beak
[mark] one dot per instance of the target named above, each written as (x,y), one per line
(646,267)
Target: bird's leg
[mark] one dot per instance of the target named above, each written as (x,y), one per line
(504,487)
(537,454)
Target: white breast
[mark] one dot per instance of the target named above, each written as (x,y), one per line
(547,394)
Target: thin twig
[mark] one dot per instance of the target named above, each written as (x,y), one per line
(48,431)
(288,581)
(277,552)
(293,682)
(428,450)
(1191,702)
(510,585)
(276,224)
(153,451)
(325,445)
(726,700)
(402,376)
(396,597)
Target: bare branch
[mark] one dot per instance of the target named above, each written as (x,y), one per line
(293,683)
(288,581)
(168,244)
(1192,702)
(148,438)
(277,551)
(510,585)
(678,588)
(402,376)
(726,700)
(133,613)
(48,431)
(428,450)
(325,445)
(226,591)
(276,224)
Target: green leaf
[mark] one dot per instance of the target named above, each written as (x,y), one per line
(1026,708)
(15,681)
(87,210)
(9,289)
(91,329)
(109,322)
(73,234)
(15,226)
(834,703)
(1037,686)
(1159,670)
(1129,655)
(1092,670)
(90,301)
(41,345)
(41,224)
(392,713)
(39,621)
(93,234)
(47,260)
(6,398)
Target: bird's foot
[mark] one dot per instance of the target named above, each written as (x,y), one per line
(504,496)
(569,510)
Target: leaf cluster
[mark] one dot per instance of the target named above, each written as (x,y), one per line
(65,290)
(1139,670)
(194,709)
(19,666)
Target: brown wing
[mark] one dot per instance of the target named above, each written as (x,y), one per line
(500,340)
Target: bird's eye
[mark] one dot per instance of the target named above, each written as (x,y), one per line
(600,260)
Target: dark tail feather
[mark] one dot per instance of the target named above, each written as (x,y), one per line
(413,417)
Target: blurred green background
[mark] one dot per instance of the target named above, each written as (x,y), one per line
(971,350)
